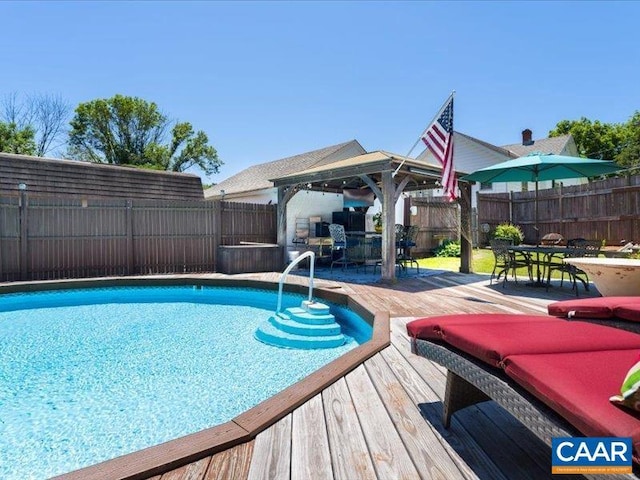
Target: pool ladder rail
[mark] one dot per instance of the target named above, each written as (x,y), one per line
(309,326)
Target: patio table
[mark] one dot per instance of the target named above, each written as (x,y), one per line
(544,255)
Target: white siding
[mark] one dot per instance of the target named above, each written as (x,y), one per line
(307,204)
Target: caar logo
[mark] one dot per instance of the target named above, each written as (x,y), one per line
(591,455)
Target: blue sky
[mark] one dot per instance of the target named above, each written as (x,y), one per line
(266,80)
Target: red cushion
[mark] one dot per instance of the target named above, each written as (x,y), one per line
(491,342)
(578,386)
(600,307)
(431,327)
(628,311)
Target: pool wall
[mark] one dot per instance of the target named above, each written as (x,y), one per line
(181,451)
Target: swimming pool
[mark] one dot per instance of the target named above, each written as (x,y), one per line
(88,375)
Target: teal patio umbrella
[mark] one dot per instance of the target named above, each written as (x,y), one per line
(537,167)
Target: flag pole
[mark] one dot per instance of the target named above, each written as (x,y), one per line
(444,105)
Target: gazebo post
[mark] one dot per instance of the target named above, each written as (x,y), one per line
(466,243)
(284,195)
(387,270)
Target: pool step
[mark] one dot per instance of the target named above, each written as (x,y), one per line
(302,316)
(301,328)
(307,327)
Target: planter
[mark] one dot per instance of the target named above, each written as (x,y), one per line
(611,276)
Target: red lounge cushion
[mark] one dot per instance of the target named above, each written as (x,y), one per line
(628,311)
(600,307)
(578,386)
(431,327)
(492,343)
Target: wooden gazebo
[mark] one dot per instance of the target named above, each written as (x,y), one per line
(387,175)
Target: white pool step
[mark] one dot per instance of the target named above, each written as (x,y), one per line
(307,327)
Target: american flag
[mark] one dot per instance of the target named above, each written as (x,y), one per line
(439,140)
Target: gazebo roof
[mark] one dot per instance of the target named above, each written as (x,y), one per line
(336,176)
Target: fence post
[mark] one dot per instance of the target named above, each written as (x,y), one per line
(24,251)
(217,231)
(560,212)
(511,207)
(130,251)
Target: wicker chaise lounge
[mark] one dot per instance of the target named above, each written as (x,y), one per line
(554,376)
(619,312)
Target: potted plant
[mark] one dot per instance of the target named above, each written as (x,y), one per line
(377,222)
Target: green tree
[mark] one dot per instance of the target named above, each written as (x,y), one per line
(593,139)
(630,154)
(16,140)
(130,131)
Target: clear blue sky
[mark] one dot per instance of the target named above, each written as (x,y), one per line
(266,80)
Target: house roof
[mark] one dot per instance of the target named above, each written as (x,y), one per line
(500,150)
(68,178)
(257,177)
(554,145)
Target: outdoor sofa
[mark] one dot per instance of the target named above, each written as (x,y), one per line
(553,375)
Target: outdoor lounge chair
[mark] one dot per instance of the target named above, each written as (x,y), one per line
(619,312)
(554,376)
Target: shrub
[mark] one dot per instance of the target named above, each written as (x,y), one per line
(507,230)
(449,248)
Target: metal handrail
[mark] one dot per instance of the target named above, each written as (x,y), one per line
(289,268)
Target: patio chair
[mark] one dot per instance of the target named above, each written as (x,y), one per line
(506,260)
(405,243)
(578,247)
(339,246)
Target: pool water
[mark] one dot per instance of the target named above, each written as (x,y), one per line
(88,375)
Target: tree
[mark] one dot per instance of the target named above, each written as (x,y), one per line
(609,141)
(593,139)
(131,131)
(16,140)
(46,115)
(630,153)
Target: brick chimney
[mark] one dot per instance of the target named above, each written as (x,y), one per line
(526,137)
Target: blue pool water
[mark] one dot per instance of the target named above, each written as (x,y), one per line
(88,375)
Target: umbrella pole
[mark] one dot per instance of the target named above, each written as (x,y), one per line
(536,215)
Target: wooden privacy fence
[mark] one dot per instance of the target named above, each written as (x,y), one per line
(50,238)
(437,220)
(607,210)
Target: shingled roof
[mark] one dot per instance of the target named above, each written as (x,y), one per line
(68,178)
(257,177)
(554,145)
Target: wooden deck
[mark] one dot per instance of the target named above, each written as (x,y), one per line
(383,420)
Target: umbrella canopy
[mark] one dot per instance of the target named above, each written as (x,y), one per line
(537,167)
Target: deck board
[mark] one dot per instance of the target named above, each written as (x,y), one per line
(384,419)
(423,444)
(232,463)
(272,452)
(349,454)
(389,455)
(310,457)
